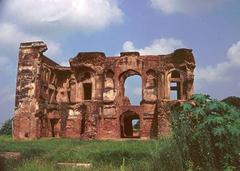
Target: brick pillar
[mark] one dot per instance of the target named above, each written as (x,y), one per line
(25,123)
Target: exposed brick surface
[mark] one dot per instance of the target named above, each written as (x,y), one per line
(86,100)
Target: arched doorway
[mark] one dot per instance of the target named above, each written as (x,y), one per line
(130,125)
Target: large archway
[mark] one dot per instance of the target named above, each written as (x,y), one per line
(130,125)
(133,89)
(131,86)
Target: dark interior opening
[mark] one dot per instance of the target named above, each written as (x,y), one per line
(175,74)
(53,123)
(130,126)
(26,134)
(87,91)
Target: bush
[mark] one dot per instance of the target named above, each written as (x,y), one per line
(208,133)
(6,129)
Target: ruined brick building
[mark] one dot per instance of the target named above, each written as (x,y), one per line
(87,100)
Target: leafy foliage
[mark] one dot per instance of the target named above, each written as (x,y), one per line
(6,128)
(208,133)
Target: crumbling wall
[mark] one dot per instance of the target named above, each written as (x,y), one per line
(87,100)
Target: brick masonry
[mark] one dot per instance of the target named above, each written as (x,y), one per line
(86,100)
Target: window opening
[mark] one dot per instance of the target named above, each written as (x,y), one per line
(87,91)
(175,91)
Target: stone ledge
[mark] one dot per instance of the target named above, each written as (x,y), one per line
(76,165)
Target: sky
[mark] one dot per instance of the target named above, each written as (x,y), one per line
(210,28)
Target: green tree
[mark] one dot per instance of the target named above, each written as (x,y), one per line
(6,128)
(208,133)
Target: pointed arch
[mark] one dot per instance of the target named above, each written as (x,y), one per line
(130,84)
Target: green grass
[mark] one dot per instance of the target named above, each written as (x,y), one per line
(44,154)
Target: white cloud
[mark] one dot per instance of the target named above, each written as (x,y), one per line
(137,91)
(80,14)
(158,46)
(64,63)
(234,54)
(128,46)
(185,6)
(214,73)
(54,48)
(223,78)
(11,36)
(220,72)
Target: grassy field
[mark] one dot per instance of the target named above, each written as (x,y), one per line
(44,154)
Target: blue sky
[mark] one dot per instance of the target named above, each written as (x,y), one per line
(210,28)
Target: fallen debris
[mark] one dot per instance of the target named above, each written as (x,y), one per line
(10,155)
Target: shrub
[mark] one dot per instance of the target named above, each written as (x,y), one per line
(6,128)
(207,132)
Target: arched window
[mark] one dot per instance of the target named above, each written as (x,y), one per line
(85,83)
(133,89)
(87,87)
